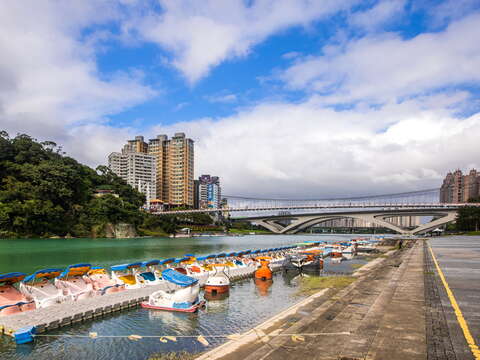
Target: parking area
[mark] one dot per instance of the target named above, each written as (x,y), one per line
(459,260)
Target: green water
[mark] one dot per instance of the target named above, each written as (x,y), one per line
(247,305)
(28,255)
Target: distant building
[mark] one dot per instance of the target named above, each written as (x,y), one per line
(175,167)
(459,188)
(208,193)
(138,169)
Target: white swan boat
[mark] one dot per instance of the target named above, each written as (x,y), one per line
(182,294)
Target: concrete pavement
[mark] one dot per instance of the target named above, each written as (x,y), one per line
(397,310)
(459,260)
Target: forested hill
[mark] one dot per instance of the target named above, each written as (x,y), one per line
(44,193)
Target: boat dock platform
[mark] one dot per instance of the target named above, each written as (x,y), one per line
(40,320)
(22,327)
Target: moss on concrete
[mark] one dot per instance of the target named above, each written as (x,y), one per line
(181,355)
(310,285)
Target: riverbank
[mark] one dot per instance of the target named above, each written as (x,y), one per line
(397,309)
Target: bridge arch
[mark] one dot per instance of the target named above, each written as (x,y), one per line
(301,222)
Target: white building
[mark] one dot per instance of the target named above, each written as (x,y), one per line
(137,169)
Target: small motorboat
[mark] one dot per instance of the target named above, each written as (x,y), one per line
(182,295)
(125,274)
(12,301)
(72,282)
(41,288)
(219,282)
(264,272)
(101,282)
(303,261)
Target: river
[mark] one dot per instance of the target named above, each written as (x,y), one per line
(247,305)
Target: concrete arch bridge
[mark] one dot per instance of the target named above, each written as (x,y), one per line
(301,222)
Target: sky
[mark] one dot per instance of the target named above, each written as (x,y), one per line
(283,98)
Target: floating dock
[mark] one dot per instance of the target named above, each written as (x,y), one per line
(24,325)
(71,312)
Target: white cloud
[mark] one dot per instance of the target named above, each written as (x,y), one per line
(385,67)
(49,80)
(380,14)
(307,150)
(202,34)
(222,98)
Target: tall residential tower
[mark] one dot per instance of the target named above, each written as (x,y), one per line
(136,167)
(162,168)
(175,166)
(458,188)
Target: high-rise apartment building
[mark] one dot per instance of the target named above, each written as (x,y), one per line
(162,168)
(175,166)
(208,193)
(137,168)
(459,188)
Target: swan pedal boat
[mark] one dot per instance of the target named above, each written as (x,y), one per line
(72,282)
(41,288)
(12,301)
(101,282)
(182,296)
(150,275)
(126,274)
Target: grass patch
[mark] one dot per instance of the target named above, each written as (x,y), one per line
(182,355)
(375,256)
(356,266)
(310,285)
(473,233)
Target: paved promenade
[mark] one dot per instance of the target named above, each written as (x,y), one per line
(459,260)
(398,310)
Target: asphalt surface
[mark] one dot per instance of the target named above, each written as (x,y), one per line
(459,260)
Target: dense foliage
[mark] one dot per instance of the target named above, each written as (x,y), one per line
(468,218)
(43,192)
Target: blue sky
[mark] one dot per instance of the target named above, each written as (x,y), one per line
(282,97)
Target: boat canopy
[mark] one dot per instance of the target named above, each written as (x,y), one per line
(256,251)
(125,266)
(75,270)
(167,261)
(201,258)
(178,278)
(43,273)
(179,260)
(97,270)
(12,277)
(232,254)
(221,255)
(150,262)
(189,255)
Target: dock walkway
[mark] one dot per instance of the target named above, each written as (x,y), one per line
(75,311)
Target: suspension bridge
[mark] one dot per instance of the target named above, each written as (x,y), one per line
(287,216)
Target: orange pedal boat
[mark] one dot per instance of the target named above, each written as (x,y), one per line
(264,272)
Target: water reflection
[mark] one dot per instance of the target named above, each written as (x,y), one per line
(249,302)
(263,286)
(212,297)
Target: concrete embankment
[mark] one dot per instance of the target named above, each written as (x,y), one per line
(378,316)
(397,309)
